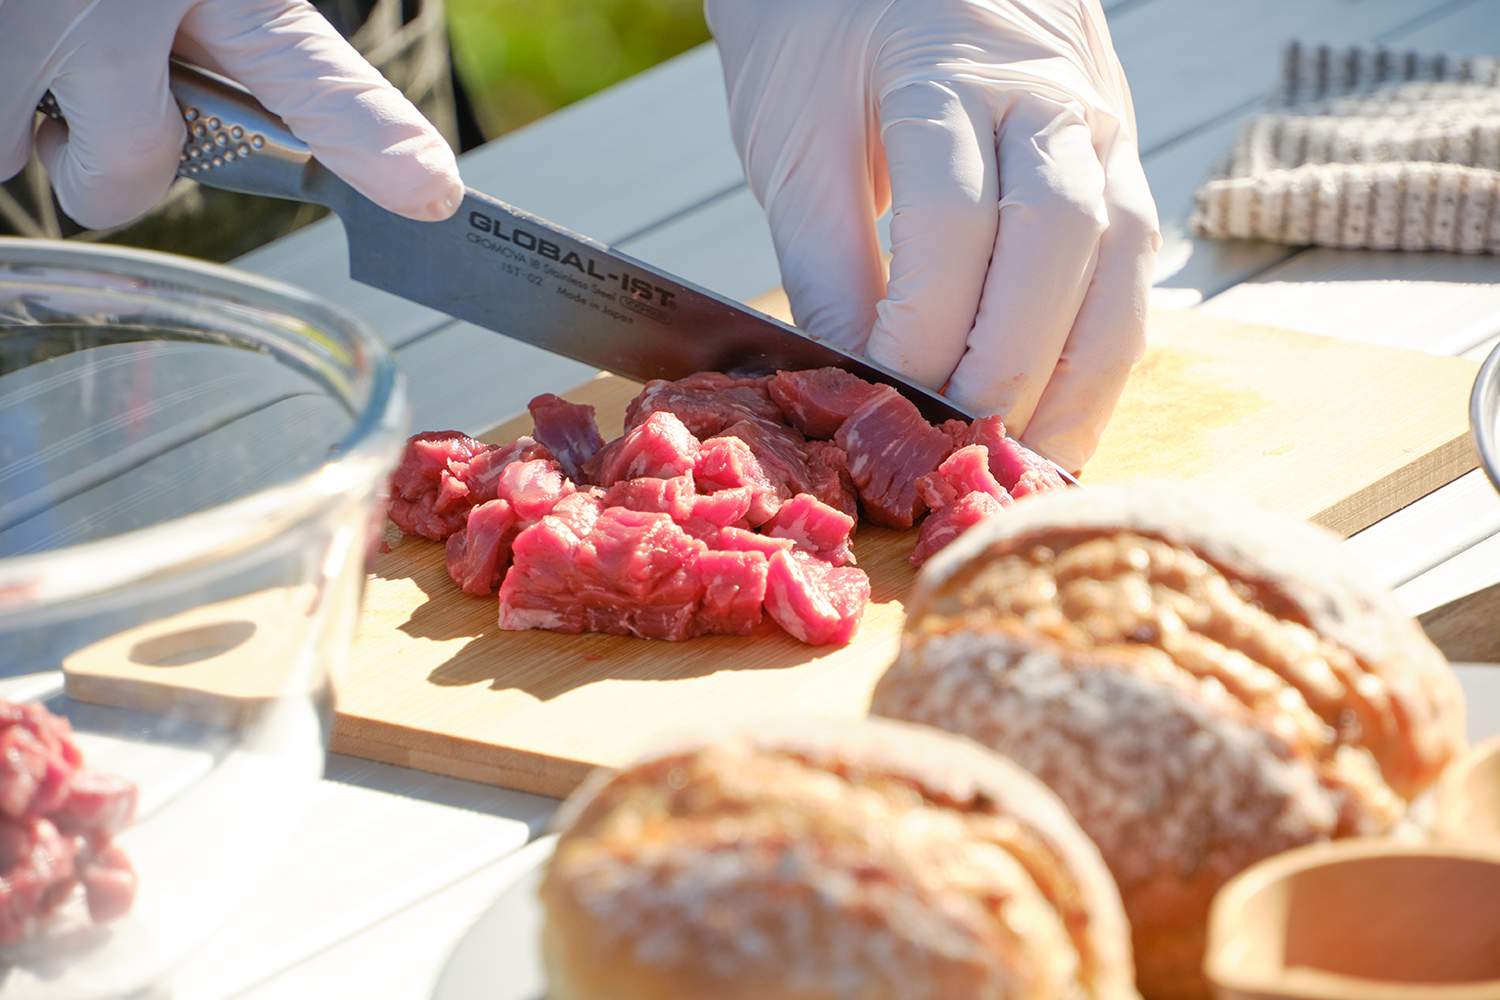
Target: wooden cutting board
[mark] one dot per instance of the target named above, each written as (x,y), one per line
(1334,431)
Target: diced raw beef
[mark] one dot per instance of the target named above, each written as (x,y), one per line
(734,586)
(97,801)
(890,447)
(963,472)
(1016,467)
(957,431)
(943,526)
(723,508)
(479,554)
(56,820)
(568,430)
(444,473)
(632,574)
(781,452)
(728,463)
(674,497)
(815,528)
(532,488)
(818,401)
(109,883)
(659,446)
(740,540)
(828,470)
(706,403)
(818,603)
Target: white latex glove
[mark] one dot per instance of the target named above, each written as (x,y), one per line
(1001,134)
(106,63)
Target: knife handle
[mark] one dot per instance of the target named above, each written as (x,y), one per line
(236,144)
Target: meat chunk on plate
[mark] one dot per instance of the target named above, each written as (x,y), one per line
(660,446)
(1015,466)
(734,587)
(442,474)
(817,401)
(965,471)
(814,528)
(479,554)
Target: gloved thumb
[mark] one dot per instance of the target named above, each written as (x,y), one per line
(357,124)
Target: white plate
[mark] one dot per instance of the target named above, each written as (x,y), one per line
(500,958)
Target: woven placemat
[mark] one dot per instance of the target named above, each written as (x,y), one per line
(1363,148)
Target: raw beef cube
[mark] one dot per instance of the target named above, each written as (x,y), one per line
(37,865)
(781,451)
(734,585)
(444,473)
(532,488)
(723,508)
(579,511)
(659,446)
(674,497)
(818,603)
(632,574)
(1016,467)
(890,447)
(963,472)
(815,528)
(740,540)
(479,554)
(38,759)
(728,463)
(108,883)
(706,403)
(568,430)
(818,401)
(828,470)
(97,803)
(943,526)
(957,431)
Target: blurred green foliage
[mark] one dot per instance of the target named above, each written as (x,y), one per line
(522,59)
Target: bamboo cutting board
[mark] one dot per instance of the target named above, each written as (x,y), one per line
(1337,432)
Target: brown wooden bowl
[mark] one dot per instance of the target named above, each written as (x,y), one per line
(1468,803)
(1360,919)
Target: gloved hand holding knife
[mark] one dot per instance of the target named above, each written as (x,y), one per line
(105,62)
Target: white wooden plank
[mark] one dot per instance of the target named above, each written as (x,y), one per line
(363,853)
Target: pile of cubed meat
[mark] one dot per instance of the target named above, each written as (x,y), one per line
(725,499)
(58,819)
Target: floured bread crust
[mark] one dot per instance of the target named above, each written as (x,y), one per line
(871,860)
(1204,684)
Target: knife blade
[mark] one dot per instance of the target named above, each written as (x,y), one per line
(510,271)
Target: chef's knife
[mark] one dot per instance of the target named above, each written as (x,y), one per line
(508,270)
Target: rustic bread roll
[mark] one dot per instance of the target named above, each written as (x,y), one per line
(1202,682)
(869,860)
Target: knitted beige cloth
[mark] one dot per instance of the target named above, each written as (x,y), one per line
(1368,149)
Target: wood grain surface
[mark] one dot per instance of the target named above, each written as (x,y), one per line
(1337,432)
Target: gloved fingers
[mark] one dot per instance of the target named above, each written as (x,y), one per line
(940,148)
(118,154)
(798,118)
(358,124)
(1109,335)
(1052,214)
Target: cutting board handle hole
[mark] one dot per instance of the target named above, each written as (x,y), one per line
(194,645)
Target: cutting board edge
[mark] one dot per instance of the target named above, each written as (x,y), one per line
(1378,500)
(521,771)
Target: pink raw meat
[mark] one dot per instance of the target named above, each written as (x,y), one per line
(479,554)
(740,540)
(1016,467)
(818,603)
(674,497)
(632,574)
(815,528)
(568,430)
(659,446)
(890,447)
(706,403)
(943,526)
(828,470)
(817,401)
(444,473)
(963,472)
(532,488)
(734,586)
(728,463)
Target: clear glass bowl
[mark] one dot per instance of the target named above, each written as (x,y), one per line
(191,466)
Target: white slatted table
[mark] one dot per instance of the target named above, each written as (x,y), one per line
(394,865)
